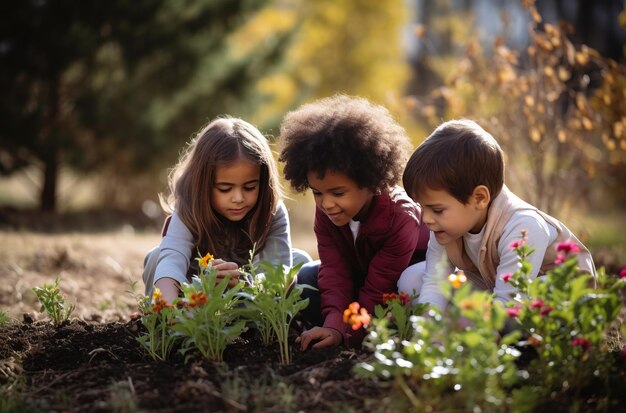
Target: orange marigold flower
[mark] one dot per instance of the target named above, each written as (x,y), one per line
(356,316)
(206,260)
(198,299)
(346,315)
(159,305)
(457,279)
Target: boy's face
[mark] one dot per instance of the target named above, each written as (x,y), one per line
(340,197)
(449,218)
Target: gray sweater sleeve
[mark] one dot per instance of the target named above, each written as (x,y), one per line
(175,251)
(277,248)
(177,246)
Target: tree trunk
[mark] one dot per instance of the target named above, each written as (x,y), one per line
(49,149)
(48,200)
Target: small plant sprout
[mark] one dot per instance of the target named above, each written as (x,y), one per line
(157,318)
(54,303)
(5,319)
(209,315)
(273,302)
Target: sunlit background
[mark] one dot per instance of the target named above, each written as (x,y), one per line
(98,98)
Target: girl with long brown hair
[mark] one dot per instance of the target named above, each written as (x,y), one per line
(225,198)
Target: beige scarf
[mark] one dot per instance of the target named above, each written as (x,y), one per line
(500,212)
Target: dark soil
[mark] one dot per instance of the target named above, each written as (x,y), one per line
(93,367)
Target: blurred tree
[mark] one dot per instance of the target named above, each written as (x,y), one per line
(342,46)
(116,85)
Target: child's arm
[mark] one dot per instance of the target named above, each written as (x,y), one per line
(438,267)
(175,253)
(334,277)
(169,289)
(539,235)
(393,257)
(277,249)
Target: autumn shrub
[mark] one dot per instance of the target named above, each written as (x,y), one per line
(547,347)
(558,110)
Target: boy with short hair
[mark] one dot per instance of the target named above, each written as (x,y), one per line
(457,176)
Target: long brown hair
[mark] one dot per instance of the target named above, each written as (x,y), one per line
(221,142)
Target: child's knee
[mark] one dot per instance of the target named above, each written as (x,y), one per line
(308,273)
(149,268)
(300,256)
(412,278)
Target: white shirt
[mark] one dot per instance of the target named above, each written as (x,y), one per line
(539,235)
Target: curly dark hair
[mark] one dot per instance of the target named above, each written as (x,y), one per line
(343,134)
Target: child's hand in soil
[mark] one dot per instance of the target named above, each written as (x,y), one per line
(325,337)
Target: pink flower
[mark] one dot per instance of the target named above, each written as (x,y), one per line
(581,342)
(518,243)
(403,298)
(513,312)
(568,247)
(560,259)
(536,303)
(506,277)
(546,310)
(622,273)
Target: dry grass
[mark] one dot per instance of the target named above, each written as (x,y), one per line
(97,269)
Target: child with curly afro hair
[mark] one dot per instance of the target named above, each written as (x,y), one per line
(351,153)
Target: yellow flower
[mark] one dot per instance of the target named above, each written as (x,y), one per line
(157,294)
(457,279)
(204,262)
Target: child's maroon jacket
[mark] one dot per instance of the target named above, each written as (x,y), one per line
(390,239)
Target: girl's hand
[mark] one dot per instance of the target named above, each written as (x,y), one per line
(325,337)
(226,269)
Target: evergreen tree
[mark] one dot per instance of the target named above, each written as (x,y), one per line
(122,82)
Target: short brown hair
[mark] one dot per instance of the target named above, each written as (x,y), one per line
(457,157)
(344,134)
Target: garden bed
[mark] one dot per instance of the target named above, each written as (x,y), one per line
(100,367)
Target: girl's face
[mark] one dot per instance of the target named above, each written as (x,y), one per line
(340,197)
(236,189)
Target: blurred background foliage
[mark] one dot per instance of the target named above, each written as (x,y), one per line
(99,97)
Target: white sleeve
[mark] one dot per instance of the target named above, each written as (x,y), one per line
(539,235)
(175,251)
(277,249)
(438,267)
